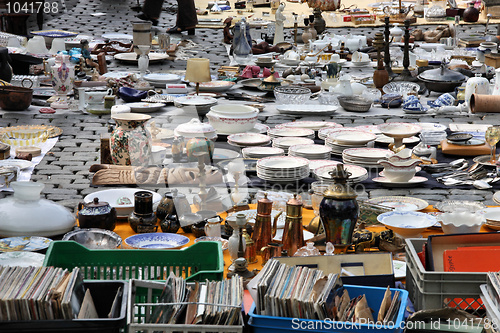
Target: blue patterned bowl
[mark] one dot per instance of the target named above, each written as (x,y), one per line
(157,240)
(407,224)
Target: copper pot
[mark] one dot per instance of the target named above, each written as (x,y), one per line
(14,98)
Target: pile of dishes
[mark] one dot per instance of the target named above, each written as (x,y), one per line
(286,142)
(248,139)
(358,174)
(313,125)
(365,157)
(282,168)
(325,132)
(160,80)
(287,132)
(346,139)
(261,152)
(311,152)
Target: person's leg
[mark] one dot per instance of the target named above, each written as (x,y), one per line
(151,10)
(186,17)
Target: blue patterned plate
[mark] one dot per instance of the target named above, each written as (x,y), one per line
(54,33)
(26,243)
(156,240)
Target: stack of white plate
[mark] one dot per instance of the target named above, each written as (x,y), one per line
(358,174)
(325,132)
(365,157)
(286,142)
(313,125)
(341,140)
(160,80)
(261,152)
(311,152)
(287,132)
(248,139)
(282,168)
(314,164)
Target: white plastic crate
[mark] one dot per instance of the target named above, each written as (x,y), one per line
(435,290)
(138,315)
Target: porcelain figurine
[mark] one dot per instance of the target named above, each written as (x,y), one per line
(279,23)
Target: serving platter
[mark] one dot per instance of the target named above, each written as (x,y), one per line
(416,180)
(313,125)
(307,109)
(21,164)
(216,86)
(144,107)
(400,202)
(131,57)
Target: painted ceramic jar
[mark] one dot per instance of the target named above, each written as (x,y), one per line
(63,76)
(129,141)
(476,85)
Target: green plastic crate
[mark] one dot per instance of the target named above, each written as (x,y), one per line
(198,262)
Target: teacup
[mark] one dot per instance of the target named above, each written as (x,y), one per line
(97,97)
(335,58)
(360,57)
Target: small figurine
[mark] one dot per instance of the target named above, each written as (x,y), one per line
(228,37)
(280,19)
(84,44)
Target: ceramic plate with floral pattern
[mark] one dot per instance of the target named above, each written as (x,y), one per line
(156,241)
(25,243)
(54,33)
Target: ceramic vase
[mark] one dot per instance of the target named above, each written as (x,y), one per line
(129,141)
(319,21)
(63,76)
(471,14)
(143,219)
(476,85)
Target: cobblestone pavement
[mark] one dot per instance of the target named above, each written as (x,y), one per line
(64,171)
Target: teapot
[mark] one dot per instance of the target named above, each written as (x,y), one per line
(96,214)
(400,167)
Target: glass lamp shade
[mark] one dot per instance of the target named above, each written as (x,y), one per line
(198,70)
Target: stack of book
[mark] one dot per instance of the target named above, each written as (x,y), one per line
(42,293)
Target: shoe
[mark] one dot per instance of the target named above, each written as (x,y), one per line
(145,17)
(177,30)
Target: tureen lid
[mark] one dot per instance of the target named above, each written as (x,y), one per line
(442,74)
(195,128)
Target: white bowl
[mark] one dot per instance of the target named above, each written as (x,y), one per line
(407,224)
(232,118)
(461,222)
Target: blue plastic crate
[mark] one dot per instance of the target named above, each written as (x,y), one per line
(374,296)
